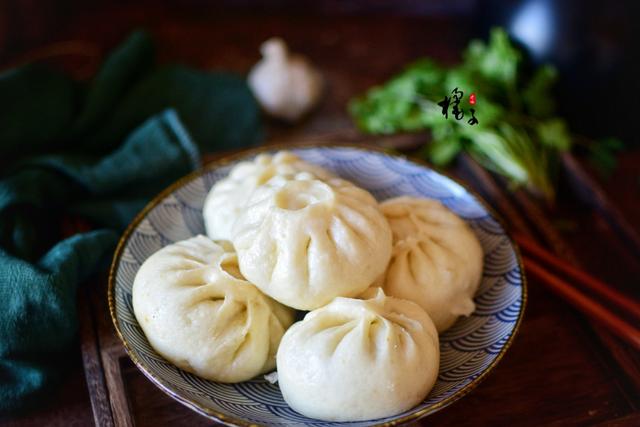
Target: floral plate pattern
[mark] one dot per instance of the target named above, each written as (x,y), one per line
(469,349)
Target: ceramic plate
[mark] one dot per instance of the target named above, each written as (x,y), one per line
(470,349)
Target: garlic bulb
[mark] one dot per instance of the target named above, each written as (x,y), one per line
(286,85)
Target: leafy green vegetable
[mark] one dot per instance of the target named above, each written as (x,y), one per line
(536,91)
(517,135)
(406,103)
(496,62)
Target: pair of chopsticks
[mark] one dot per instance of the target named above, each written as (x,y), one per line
(570,283)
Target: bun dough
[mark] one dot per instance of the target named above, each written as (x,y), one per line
(200,314)
(358,359)
(227,197)
(304,241)
(437,259)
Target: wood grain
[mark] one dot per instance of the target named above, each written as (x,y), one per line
(578,380)
(92,363)
(579,389)
(590,191)
(559,371)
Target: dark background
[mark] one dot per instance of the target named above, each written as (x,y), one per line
(357,44)
(593,43)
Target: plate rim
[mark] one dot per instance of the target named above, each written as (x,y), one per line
(232,158)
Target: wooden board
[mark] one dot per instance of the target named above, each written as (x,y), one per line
(560,370)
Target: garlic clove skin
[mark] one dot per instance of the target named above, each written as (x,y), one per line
(286,85)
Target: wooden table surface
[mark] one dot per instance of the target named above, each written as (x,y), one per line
(561,369)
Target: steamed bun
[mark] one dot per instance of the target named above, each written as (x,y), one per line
(304,241)
(199,313)
(227,197)
(436,261)
(359,359)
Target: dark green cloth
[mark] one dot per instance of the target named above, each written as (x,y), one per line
(98,151)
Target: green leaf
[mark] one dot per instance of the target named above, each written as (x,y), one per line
(553,133)
(405,103)
(511,153)
(426,74)
(442,152)
(494,151)
(497,62)
(446,141)
(537,94)
(516,136)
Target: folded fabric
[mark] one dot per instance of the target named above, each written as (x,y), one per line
(99,152)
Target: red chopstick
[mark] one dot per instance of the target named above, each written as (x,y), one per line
(580,277)
(571,292)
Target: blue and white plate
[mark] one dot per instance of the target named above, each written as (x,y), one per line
(470,349)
